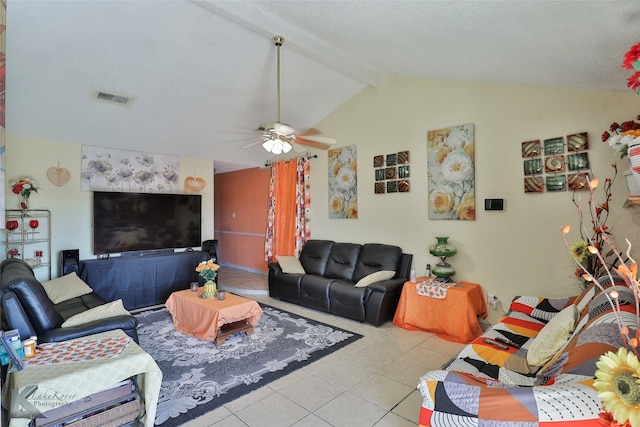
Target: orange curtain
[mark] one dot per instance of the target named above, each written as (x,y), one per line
(288,220)
(284,221)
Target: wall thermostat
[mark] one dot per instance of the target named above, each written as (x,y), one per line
(493,204)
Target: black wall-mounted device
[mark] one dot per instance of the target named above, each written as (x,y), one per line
(493,204)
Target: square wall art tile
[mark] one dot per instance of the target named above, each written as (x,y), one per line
(556,164)
(392,173)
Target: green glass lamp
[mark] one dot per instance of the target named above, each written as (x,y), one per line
(443,249)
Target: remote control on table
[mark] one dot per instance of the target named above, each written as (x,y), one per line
(507,342)
(496,343)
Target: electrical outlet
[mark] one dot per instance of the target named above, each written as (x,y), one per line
(493,300)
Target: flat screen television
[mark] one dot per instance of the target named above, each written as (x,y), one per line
(126,222)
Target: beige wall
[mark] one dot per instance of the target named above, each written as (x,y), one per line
(515,252)
(518,251)
(71,212)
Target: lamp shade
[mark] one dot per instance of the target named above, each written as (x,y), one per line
(442,248)
(268,145)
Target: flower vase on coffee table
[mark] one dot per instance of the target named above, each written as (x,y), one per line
(208,270)
(210,289)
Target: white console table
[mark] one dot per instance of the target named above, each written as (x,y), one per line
(61,383)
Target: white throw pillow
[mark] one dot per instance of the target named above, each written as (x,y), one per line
(104,311)
(290,264)
(553,336)
(375,277)
(65,287)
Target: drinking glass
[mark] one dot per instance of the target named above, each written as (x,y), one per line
(33,224)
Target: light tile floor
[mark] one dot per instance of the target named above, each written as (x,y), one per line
(371,382)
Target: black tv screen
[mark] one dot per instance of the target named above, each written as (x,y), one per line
(125,222)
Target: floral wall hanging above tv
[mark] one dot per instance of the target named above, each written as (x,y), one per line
(451,168)
(108,169)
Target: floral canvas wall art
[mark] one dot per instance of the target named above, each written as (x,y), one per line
(107,169)
(343,188)
(451,173)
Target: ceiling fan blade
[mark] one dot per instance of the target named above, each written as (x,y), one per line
(319,138)
(253,144)
(308,132)
(245,139)
(325,144)
(236,132)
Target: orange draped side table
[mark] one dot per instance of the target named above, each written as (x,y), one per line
(453,318)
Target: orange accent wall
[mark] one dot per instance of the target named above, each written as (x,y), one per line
(240,216)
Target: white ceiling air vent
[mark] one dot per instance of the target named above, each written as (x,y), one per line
(113,97)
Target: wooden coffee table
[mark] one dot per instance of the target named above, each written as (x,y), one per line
(212,319)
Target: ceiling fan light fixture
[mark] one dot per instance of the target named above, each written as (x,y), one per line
(268,145)
(286,147)
(278,147)
(278,137)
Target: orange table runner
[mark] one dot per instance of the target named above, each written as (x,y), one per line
(202,317)
(454,318)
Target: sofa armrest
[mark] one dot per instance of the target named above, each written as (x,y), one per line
(568,398)
(387,285)
(538,307)
(275,267)
(15,316)
(127,323)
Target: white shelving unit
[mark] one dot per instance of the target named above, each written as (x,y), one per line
(28,232)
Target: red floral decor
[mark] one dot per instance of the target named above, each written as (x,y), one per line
(620,135)
(24,187)
(631,61)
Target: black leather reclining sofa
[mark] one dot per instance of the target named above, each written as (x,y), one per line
(331,272)
(26,307)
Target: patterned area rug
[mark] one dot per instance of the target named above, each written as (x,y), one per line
(198,376)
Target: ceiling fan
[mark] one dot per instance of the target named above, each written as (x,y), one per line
(278,137)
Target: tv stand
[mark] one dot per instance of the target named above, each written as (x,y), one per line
(141,281)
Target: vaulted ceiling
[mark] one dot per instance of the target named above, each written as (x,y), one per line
(202,74)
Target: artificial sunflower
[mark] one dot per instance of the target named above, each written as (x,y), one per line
(618,383)
(579,250)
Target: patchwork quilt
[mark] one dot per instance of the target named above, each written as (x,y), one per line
(490,384)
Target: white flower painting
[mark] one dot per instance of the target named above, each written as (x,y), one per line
(108,169)
(451,168)
(343,188)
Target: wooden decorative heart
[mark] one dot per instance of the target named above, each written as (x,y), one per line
(195,184)
(58,176)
